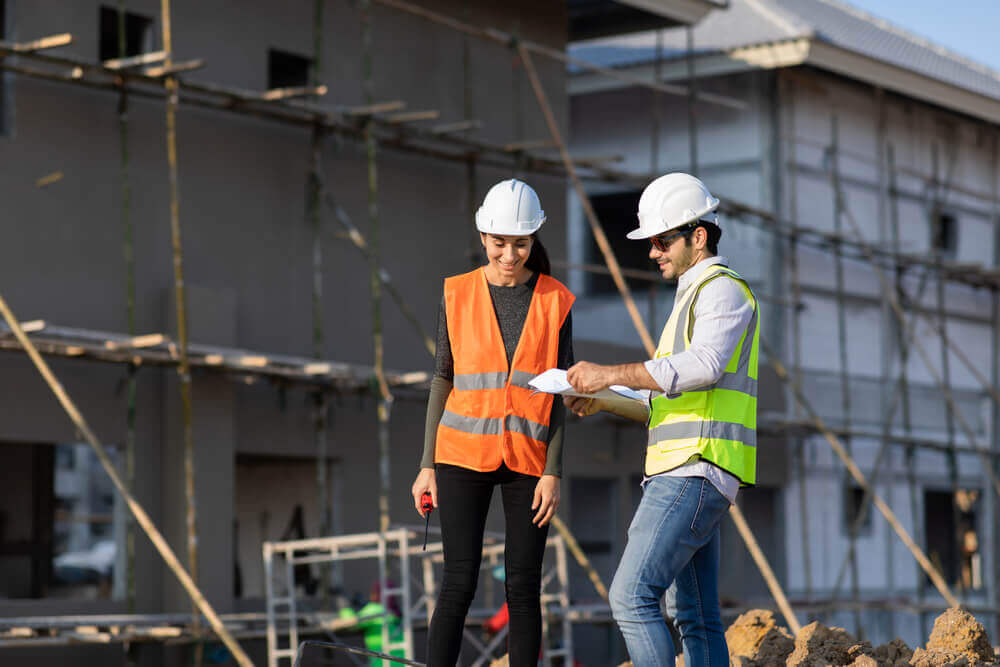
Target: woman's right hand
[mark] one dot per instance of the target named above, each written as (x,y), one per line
(426,481)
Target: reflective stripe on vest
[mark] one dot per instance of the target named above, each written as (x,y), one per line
(717,423)
(492,415)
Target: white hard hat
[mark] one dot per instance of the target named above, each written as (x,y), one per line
(511,208)
(673,201)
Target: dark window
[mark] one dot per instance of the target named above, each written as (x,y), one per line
(944,234)
(58,535)
(951,527)
(617,213)
(287,70)
(853,496)
(138,34)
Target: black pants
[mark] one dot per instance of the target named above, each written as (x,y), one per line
(463,502)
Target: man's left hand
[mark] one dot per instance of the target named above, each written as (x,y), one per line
(588,378)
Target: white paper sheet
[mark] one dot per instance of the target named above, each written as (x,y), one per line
(553,381)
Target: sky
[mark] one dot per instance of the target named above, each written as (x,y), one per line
(970,28)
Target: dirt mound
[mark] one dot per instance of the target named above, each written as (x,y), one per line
(958,634)
(817,645)
(755,638)
(894,654)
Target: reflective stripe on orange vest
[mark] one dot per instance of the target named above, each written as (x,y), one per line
(492,415)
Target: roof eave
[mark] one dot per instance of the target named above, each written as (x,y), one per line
(814,52)
(912,84)
(687,12)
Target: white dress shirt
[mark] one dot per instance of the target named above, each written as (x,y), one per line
(721,315)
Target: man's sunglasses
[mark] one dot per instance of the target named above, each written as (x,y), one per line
(662,242)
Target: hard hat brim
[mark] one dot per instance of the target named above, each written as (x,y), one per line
(523,230)
(638,234)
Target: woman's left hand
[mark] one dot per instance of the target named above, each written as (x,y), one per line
(546,499)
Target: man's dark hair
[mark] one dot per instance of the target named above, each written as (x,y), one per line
(714,234)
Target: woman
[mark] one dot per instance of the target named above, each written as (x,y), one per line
(500,325)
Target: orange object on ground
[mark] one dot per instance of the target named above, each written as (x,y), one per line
(492,415)
(497,621)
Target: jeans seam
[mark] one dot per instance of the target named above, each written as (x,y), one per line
(697,511)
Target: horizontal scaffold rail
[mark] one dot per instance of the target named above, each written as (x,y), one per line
(161,350)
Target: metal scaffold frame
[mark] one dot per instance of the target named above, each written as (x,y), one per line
(398,555)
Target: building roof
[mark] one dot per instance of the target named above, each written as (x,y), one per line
(822,27)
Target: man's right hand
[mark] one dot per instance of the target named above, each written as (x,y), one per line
(582,407)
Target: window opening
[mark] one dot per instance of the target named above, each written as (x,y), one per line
(287,70)
(138,34)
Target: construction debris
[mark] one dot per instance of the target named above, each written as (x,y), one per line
(957,636)
(818,645)
(756,640)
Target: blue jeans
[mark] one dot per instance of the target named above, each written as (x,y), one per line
(673,543)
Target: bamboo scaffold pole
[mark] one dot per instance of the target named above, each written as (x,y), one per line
(183,367)
(315,216)
(640,326)
(129,256)
(595,226)
(844,372)
(382,388)
(169,557)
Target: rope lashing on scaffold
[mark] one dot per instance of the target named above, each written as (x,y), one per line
(351,649)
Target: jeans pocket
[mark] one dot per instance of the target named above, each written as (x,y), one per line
(711,505)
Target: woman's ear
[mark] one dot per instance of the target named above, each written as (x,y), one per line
(482,238)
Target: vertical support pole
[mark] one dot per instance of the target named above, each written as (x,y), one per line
(385,397)
(314,213)
(129,252)
(691,102)
(845,388)
(406,605)
(904,386)
(995,374)
(183,367)
(657,112)
(430,589)
(272,630)
(885,321)
(795,290)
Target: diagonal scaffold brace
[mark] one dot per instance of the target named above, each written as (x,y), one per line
(141,517)
(609,258)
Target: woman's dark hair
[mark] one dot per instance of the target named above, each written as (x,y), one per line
(538,260)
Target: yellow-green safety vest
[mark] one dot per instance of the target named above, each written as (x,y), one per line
(717,423)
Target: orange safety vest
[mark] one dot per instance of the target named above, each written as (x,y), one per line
(492,415)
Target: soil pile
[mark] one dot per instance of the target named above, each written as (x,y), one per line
(817,645)
(957,639)
(755,638)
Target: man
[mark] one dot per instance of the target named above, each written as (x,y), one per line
(702,420)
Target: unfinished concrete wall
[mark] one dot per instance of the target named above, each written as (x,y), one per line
(248,253)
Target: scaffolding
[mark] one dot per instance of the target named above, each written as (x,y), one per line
(398,557)
(390,126)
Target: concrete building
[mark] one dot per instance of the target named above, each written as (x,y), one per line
(846,121)
(249,269)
